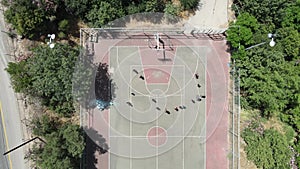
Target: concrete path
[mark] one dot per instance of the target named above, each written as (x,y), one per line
(211,14)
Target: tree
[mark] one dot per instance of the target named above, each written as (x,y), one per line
(189,4)
(267,150)
(270,76)
(172,9)
(134,8)
(63,148)
(20,79)
(265,11)
(73,137)
(104,12)
(50,75)
(154,6)
(289,41)
(78,7)
(262,80)
(28,18)
(51,71)
(241,32)
(292,16)
(44,125)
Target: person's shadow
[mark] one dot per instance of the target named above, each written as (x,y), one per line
(95,143)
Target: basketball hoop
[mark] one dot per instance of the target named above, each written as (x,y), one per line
(157,37)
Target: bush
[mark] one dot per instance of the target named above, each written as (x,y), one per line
(63,25)
(135,8)
(189,4)
(44,125)
(104,12)
(64,146)
(62,35)
(172,9)
(269,150)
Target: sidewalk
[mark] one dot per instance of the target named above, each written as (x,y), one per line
(212,14)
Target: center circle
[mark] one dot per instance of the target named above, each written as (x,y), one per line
(157,136)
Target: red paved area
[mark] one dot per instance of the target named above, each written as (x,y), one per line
(161,74)
(217,108)
(157,136)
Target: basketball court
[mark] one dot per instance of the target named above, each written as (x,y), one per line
(170,102)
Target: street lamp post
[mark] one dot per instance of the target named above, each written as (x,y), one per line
(271,43)
(50,43)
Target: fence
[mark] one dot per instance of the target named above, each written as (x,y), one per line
(234,109)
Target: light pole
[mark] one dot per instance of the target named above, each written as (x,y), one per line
(50,43)
(271,43)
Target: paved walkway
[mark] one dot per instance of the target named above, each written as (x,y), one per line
(211,14)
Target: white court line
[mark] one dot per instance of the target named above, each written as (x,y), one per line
(158,50)
(156,122)
(157,66)
(130,124)
(183,122)
(138,94)
(172,68)
(205,122)
(157,136)
(184,66)
(109,53)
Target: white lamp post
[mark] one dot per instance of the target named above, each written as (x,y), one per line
(272,42)
(50,43)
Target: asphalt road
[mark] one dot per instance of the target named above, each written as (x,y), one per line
(10,132)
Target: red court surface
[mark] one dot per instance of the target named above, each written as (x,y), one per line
(216,78)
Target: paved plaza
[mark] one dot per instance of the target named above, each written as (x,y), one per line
(169,103)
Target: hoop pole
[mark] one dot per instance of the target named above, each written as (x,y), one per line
(157,40)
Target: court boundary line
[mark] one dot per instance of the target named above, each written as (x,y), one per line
(183,139)
(182,97)
(157,136)
(123,46)
(206,101)
(109,118)
(205,106)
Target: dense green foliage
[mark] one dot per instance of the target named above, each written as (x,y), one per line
(20,79)
(27,18)
(63,147)
(32,19)
(270,76)
(242,30)
(172,9)
(47,75)
(189,4)
(265,11)
(292,16)
(103,12)
(268,149)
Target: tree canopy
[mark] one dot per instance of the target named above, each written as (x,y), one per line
(48,75)
(241,32)
(265,11)
(269,75)
(32,19)
(29,18)
(268,150)
(63,147)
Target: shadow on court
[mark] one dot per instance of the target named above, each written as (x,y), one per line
(95,145)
